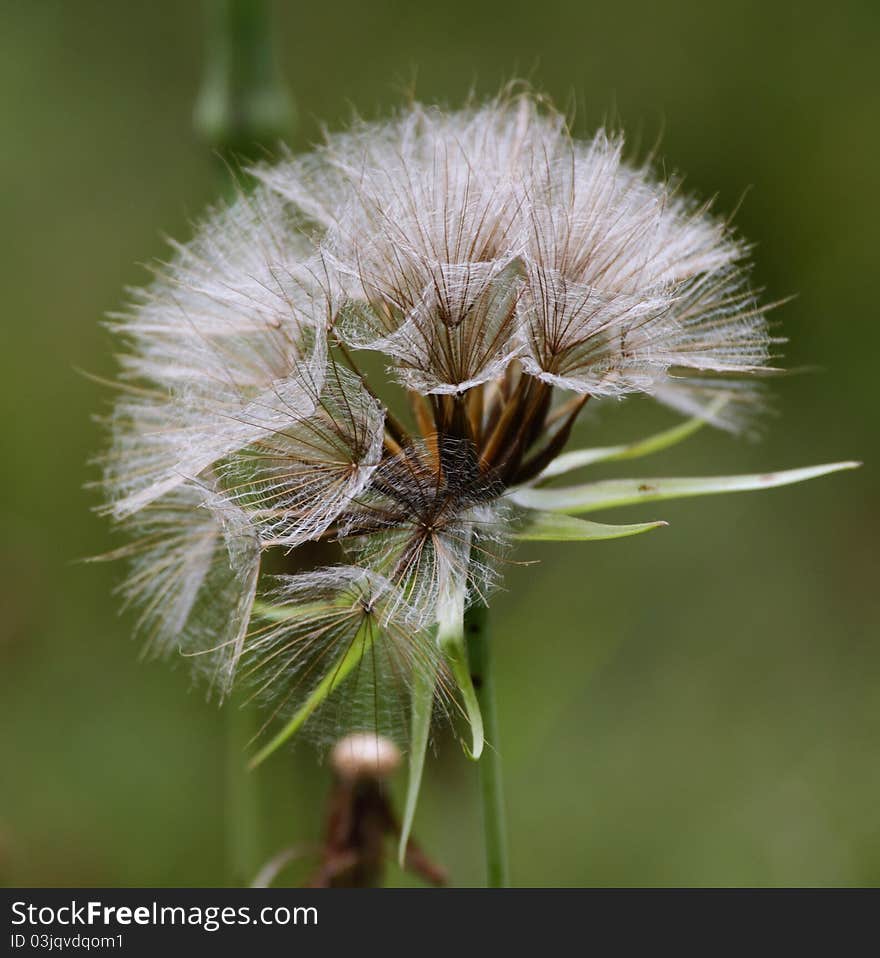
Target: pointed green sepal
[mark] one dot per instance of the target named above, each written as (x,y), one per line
(456,656)
(579,458)
(624,492)
(540,526)
(420,726)
(450,638)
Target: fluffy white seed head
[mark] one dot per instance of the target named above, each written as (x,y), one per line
(496,264)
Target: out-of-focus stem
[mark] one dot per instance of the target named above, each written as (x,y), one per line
(478,639)
(243,104)
(242,812)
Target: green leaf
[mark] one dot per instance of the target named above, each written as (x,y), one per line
(624,492)
(576,459)
(554,527)
(420,726)
(329,683)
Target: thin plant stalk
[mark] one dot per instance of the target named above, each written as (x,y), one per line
(243,106)
(478,639)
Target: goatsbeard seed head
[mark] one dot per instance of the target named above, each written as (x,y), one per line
(507,273)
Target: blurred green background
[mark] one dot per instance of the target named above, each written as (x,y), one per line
(696,707)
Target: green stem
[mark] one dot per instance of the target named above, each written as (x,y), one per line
(477,636)
(242,107)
